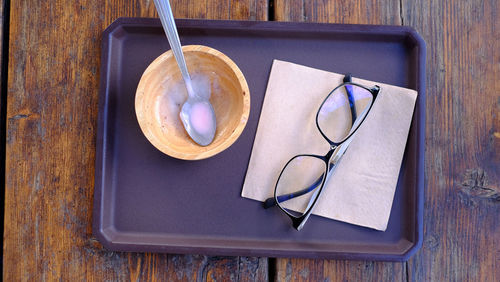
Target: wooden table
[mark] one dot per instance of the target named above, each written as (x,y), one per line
(50,77)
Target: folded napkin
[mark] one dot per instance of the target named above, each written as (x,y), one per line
(361,189)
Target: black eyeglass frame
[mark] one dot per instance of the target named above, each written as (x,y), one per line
(299,221)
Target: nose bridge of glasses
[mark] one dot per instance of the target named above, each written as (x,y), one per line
(330,152)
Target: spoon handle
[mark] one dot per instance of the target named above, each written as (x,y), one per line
(168,23)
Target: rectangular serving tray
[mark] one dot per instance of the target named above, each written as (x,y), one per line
(145,201)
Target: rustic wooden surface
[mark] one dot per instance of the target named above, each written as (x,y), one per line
(53,73)
(3,101)
(54,58)
(462,199)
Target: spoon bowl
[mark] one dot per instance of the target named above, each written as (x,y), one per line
(161,94)
(198,117)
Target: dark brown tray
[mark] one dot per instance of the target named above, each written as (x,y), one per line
(146,201)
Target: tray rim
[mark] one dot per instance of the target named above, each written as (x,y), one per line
(106,235)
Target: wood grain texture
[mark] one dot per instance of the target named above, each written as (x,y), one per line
(53,75)
(332,270)
(2,38)
(333,11)
(54,58)
(3,102)
(462,203)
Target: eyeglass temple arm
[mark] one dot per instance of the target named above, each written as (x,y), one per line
(350,97)
(311,200)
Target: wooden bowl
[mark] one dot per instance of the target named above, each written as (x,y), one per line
(161,94)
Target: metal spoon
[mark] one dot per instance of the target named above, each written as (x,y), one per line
(197,113)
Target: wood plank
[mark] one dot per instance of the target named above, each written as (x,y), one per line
(2,83)
(347,12)
(51,127)
(3,104)
(333,270)
(462,203)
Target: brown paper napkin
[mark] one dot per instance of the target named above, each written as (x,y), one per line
(361,189)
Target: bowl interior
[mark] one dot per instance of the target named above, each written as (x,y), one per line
(161,94)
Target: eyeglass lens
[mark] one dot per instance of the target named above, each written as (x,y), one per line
(337,115)
(299,184)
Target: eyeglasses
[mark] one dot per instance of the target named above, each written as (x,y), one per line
(302,179)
